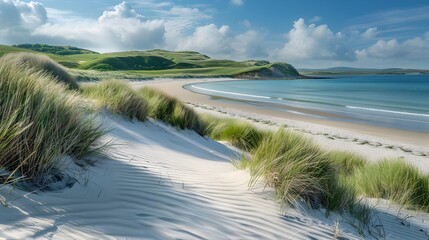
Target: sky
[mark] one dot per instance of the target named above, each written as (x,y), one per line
(305,33)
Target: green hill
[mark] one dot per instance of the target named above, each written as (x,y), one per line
(87,64)
(4,49)
(58,50)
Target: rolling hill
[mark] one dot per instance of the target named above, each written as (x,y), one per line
(87,64)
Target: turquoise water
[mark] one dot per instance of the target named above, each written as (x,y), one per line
(395,101)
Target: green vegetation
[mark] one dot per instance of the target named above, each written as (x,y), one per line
(8,49)
(37,62)
(41,122)
(89,65)
(292,165)
(58,50)
(239,133)
(171,111)
(347,163)
(394,180)
(118,97)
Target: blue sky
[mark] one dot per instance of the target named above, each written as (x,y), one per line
(308,34)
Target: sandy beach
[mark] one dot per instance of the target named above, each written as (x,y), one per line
(373,142)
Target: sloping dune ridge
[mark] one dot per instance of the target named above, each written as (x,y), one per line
(159,183)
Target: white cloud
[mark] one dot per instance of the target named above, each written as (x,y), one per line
(370,33)
(312,42)
(249,44)
(118,29)
(237,2)
(412,49)
(208,39)
(121,11)
(181,19)
(18,18)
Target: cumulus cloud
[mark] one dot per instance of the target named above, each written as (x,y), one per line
(117,29)
(313,42)
(249,44)
(17,19)
(412,49)
(208,39)
(121,11)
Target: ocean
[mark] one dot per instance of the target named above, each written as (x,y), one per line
(393,101)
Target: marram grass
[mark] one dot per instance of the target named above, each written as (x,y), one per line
(118,97)
(172,111)
(239,133)
(395,180)
(40,122)
(39,62)
(293,165)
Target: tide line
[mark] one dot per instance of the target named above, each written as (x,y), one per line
(388,111)
(231,93)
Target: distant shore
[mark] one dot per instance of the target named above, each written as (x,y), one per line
(371,141)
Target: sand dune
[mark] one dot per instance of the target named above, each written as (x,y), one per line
(160,183)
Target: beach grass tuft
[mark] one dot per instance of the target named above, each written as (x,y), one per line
(294,166)
(165,108)
(118,97)
(395,180)
(347,163)
(237,132)
(41,122)
(40,62)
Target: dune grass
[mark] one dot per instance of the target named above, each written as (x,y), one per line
(294,166)
(395,180)
(347,163)
(39,62)
(170,110)
(118,97)
(40,122)
(239,133)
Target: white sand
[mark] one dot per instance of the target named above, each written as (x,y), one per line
(160,183)
(157,183)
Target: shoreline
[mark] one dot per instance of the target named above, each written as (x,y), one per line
(370,141)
